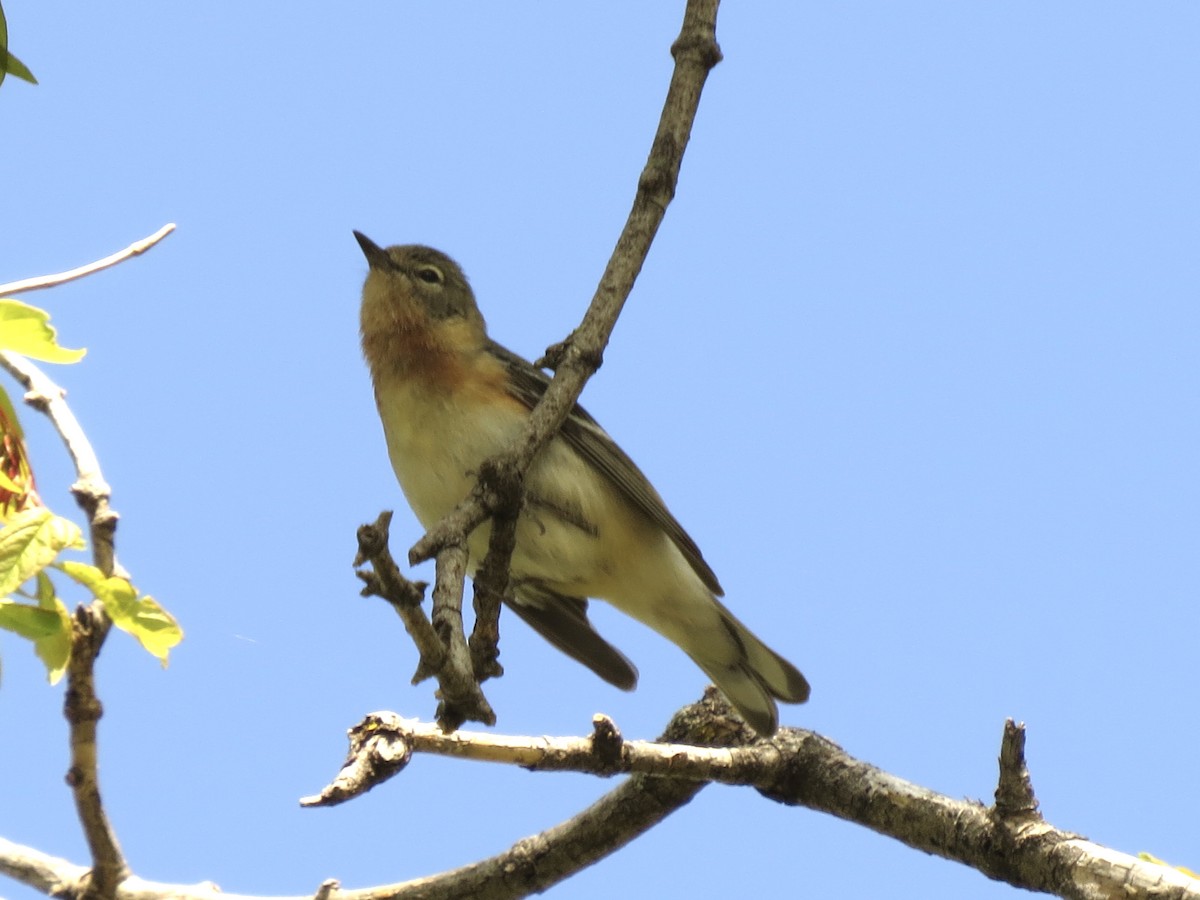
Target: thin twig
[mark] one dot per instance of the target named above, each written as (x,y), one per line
(47,281)
(491,583)
(575,360)
(384,580)
(461,697)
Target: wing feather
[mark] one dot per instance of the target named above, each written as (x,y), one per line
(592,442)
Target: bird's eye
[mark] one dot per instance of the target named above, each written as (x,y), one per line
(430,274)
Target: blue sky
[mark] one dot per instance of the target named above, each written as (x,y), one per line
(914,359)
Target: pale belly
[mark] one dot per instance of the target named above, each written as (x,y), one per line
(573,531)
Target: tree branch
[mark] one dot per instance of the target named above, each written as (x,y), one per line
(575,360)
(82,710)
(1008,841)
(384,580)
(137,248)
(51,875)
(704,743)
(440,644)
(530,866)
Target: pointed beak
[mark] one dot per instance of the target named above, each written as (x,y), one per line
(377,257)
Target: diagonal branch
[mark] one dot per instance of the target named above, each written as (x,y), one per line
(437,642)
(498,490)
(137,248)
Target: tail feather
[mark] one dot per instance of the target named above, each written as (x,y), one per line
(756,678)
(563,621)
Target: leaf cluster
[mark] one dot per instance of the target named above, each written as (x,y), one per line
(33,538)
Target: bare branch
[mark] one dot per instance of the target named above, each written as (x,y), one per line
(384,580)
(795,767)
(441,654)
(376,754)
(82,709)
(137,248)
(804,769)
(575,360)
(531,865)
(51,875)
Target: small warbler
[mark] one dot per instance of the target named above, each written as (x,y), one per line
(591,524)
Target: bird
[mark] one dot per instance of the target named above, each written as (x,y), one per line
(591,525)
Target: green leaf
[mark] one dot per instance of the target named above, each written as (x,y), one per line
(30,622)
(48,625)
(8,62)
(54,650)
(3,43)
(26,330)
(141,616)
(155,628)
(14,66)
(30,541)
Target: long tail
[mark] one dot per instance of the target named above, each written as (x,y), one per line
(755,678)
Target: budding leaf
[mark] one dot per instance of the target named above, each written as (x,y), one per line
(30,541)
(26,330)
(139,615)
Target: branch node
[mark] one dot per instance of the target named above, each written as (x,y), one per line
(379,749)
(702,48)
(373,538)
(556,355)
(607,744)
(1015,801)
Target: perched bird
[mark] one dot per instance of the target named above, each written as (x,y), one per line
(591,524)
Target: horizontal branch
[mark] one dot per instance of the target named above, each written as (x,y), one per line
(1008,841)
(529,866)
